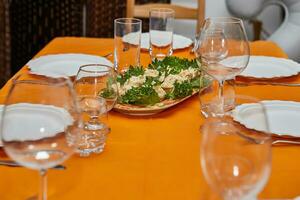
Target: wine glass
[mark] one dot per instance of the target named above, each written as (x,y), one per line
(222,50)
(40,123)
(97,90)
(235,159)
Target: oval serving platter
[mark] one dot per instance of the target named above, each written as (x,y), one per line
(151,110)
(148,110)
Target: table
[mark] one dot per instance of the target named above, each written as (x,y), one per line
(147,157)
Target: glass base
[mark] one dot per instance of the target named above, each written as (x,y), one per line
(85,152)
(92,140)
(209,110)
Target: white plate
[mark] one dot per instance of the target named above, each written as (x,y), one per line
(270,67)
(1,110)
(34,121)
(179,41)
(283,117)
(67,64)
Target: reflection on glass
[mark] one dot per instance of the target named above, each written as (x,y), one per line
(40,123)
(97,92)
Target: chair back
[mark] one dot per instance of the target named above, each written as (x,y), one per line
(181,12)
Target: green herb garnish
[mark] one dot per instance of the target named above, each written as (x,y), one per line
(132,71)
(147,90)
(144,95)
(173,65)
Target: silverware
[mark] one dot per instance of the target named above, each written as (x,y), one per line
(240,83)
(275,141)
(107,55)
(249,138)
(285,141)
(10,163)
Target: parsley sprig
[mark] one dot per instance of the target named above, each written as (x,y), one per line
(146,93)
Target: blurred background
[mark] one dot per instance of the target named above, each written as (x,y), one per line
(26,26)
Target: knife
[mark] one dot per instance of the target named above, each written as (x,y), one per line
(10,163)
(249,83)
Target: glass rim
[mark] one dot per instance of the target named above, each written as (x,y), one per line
(83,68)
(128,20)
(223,19)
(162,10)
(47,80)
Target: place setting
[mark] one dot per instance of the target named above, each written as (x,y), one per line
(74,103)
(278,75)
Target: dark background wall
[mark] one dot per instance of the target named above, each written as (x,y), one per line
(33,23)
(26,26)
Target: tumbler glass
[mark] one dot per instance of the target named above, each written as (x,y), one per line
(161,32)
(127,38)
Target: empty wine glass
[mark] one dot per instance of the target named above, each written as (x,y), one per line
(235,159)
(40,123)
(97,91)
(222,50)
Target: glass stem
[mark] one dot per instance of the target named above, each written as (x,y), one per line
(221,96)
(43,185)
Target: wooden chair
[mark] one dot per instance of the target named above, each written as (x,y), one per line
(181,12)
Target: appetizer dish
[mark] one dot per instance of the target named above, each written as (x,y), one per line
(165,83)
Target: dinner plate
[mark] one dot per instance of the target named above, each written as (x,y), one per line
(48,121)
(265,67)
(283,117)
(67,64)
(179,41)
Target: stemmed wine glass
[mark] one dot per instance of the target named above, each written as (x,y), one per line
(97,90)
(40,123)
(236,150)
(222,50)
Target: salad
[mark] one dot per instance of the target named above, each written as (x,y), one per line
(172,78)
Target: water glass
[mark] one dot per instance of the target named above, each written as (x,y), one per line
(127,39)
(161,32)
(236,160)
(97,92)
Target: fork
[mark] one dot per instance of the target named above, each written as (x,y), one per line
(285,141)
(275,141)
(107,55)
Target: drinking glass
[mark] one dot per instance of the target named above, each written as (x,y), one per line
(236,160)
(161,32)
(97,91)
(40,123)
(222,50)
(209,98)
(127,39)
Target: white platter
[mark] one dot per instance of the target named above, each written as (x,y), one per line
(66,64)
(265,67)
(179,41)
(283,117)
(34,121)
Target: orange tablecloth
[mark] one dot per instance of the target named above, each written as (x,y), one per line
(148,158)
